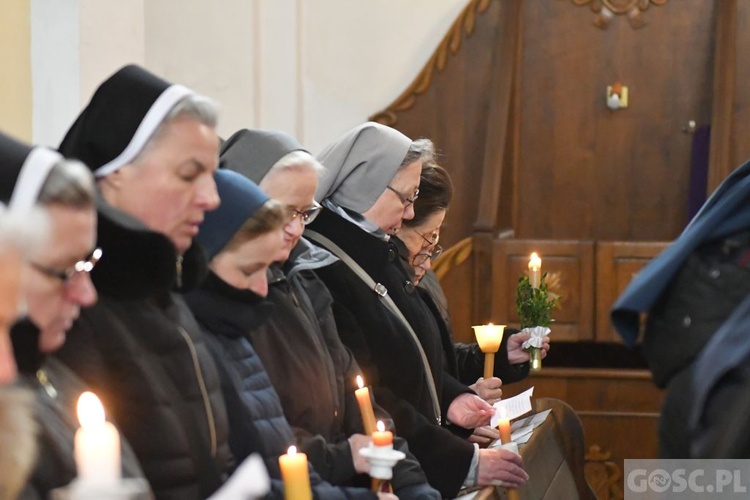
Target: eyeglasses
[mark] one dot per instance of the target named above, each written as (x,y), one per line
(430,242)
(422,257)
(308,215)
(406,200)
(82,266)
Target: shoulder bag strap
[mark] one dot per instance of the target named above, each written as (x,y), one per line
(382,292)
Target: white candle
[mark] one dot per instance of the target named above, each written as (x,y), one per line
(535,270)
(97,444)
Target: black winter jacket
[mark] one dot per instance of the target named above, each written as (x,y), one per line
(256,419)
(387,353)
(56,390)
(140,349)
(301,350)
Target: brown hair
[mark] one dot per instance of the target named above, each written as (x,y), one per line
(435,193)
(269,217)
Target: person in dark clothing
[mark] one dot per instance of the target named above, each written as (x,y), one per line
(689,291)
(371,184)
(56,287)
(242,238)
(153,149)
(299,344)
(418,246)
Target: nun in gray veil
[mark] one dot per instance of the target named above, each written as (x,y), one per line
(371,183)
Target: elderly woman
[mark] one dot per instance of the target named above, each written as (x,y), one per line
(371,184)
(242,238)
(299,344)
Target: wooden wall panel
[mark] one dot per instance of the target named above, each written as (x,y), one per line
(590,173)
(617,262)
(573,261)
(619,409)
(741,106)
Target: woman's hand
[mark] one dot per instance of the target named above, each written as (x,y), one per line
(470,411)
(484,435)
(488,389)
(516,354)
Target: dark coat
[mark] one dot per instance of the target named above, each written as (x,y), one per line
(464,361)
(56,390)
(726,212)
(140,349)
(256,419)
(300,348)
(387,353)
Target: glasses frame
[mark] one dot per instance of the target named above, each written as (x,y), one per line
(405,200)
(82,266)
(435,250)
(308,215)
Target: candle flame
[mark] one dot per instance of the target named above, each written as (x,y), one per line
(380,425)
(360,382)
(90,410)
(292,450)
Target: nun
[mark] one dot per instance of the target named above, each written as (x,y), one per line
(299,343)
(153,149)
(371,184)
(38,183)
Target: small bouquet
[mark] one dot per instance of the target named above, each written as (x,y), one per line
(534,305)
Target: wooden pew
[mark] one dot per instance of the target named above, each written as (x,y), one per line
(553,458)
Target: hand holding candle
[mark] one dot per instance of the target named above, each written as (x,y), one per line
(97,444)
(535,270)
(295,475)
(489,338)
(365,406)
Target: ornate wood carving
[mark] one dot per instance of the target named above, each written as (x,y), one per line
(450,45)
(604,476)
(607,9)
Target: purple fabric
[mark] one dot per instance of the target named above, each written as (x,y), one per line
(698,169)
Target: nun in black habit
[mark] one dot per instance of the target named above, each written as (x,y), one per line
(371,183)
(153,148)
(40,179)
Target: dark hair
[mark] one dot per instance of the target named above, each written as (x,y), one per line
(435,193)
(70,184)
(272,215)
(421,149)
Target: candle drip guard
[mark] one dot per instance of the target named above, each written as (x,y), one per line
(382,459)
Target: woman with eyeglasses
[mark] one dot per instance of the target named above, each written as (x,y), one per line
(420,248)
(369,190)
(56,287)
(298,343)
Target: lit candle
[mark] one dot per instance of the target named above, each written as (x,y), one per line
(365,406)
(489,338)
(382,437)
(295,475)
(503,425)
(97,444)
(535,270)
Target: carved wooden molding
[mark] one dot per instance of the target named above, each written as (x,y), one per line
(607,9)
(604,476)
(450,45)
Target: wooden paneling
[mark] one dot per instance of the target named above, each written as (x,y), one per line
(616,264)
(587,172)
(619,409)
(572,261)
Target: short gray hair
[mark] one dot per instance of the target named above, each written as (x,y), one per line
(297,160)
(69,184)
(420,149)
(24,232)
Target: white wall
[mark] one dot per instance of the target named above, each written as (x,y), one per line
(313,68)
